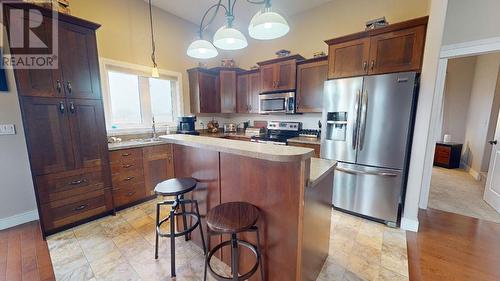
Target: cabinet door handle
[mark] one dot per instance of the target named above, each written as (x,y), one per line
(365,65)
(78,182)
(372,65)
(131,193)
(127,166)
(129,179)
(70,88)
(58,86)
(72,107)
(61,107)
(81,207)
(125,154)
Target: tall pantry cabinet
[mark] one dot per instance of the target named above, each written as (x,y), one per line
(65,130)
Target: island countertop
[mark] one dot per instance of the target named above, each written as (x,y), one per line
(320,168)
(262,151)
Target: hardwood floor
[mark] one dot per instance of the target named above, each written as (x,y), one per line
(24,255)
(453,247)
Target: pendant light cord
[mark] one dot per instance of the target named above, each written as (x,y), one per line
(153,45)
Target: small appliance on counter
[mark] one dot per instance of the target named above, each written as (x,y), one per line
(230,128)
(213,126)
(186,125)
(254,131)
(279,132)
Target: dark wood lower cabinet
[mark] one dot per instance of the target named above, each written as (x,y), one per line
(137,171)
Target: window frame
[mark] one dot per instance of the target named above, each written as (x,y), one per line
(145,98)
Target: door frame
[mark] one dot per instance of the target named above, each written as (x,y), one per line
(470,48)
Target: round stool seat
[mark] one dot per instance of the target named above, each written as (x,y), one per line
(232,217)
(174,187)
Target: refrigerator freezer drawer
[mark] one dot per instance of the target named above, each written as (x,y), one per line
(368,191)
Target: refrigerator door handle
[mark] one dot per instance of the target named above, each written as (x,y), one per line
(362,123)
(356,114)
(357,172)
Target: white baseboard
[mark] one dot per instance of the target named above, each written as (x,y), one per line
(409,224)
(18,219)
(476,175)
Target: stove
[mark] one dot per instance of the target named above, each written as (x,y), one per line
(279,132)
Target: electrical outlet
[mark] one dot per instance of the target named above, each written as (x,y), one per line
(7,129)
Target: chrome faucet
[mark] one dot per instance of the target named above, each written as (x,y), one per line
(155,134)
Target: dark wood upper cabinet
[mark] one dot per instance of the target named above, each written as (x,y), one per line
(242,94)
(248,90)
(311,77)
(395,48)
(349,59)
(254,91)
(279,74)
(79,64)
(286,73)
(204,91)
(267,78)
(397,51)
(48,135)
(88,132)
(36,82)
(228,91)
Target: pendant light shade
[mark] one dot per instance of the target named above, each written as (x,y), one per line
(228,38)
(202,49)
(268,25)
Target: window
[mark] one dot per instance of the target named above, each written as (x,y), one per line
(132,98)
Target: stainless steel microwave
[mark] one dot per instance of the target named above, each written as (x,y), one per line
(277,103)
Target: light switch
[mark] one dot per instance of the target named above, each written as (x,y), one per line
(7,129)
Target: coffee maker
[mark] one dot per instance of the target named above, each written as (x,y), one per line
(186,125)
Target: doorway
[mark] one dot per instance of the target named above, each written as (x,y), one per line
(468,121)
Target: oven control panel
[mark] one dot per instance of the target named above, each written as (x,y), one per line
(284,126)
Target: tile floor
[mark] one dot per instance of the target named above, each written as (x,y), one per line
(455,191)
(122,248)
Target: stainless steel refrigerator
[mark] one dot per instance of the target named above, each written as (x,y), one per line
(369,127)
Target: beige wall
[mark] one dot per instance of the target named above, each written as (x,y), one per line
(469,20)
(125,35)
(459,79)
(480,108)
(17,197)
(336,18)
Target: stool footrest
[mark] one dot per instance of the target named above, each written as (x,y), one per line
(242,277)
(179,234)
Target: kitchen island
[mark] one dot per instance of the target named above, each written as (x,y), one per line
(292,190)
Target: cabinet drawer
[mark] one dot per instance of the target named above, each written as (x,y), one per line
(130,165)
(128,177)
(129,194)
(65,185)
(56,215)
(157,151)
(125,156)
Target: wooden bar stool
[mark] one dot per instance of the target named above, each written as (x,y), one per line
(177,188)
(233,218)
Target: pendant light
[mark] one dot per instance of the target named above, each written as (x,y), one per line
(155,73)
(229,38)
(267,25)
(202,49)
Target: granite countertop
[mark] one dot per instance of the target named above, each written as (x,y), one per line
(223,135)
(133,144)
(319,169)
(306,140)
(262,151)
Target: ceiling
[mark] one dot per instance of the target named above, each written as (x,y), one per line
(193,10)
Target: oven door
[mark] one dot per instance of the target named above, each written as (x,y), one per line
(277,103)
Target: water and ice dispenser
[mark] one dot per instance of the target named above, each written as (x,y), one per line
(336,126)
